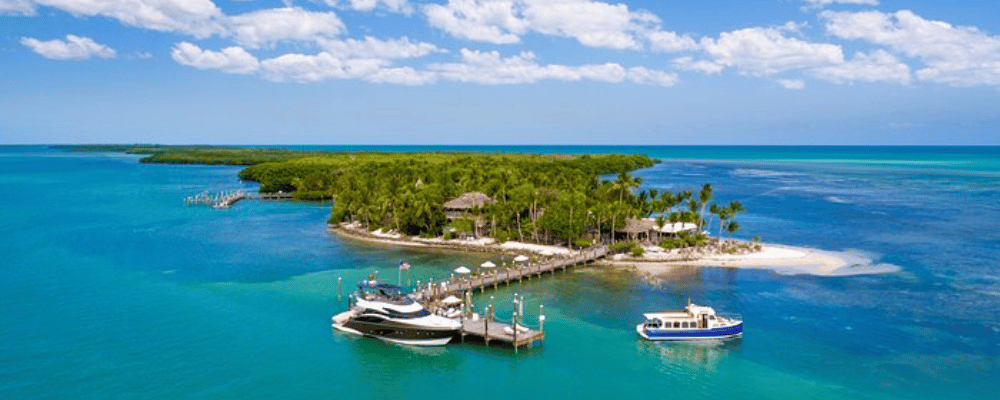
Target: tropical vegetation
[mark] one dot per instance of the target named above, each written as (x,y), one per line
(574,200)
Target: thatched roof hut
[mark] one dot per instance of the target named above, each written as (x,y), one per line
(468,201)
(635,226)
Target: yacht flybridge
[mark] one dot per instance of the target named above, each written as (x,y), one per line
(692,323)
(381,310)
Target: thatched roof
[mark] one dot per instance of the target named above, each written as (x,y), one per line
(468,201)
(635,225)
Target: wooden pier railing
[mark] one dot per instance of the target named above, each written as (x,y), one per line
(223,200)
(459,285)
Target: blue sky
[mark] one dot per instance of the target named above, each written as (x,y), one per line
(500,72)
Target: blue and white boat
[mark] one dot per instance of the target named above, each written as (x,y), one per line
(692,323)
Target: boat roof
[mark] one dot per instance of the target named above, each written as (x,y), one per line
(379,285)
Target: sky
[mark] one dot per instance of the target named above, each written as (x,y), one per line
(636,72)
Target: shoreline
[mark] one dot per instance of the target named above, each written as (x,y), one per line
(781,259)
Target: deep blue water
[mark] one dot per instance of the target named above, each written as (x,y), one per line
(113,289)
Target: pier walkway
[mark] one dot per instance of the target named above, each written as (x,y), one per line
(459,285)
(223,200)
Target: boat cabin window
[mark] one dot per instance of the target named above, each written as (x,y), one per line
(653,323)
(684,324)
(677,324)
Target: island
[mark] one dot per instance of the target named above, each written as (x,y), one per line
(550,205)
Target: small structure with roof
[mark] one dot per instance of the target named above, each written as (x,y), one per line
(461,208)
(637,228)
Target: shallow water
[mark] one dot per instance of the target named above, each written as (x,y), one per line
(113,289)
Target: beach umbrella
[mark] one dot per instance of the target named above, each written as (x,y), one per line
(451,300)
(520,258)
(488,264)
(547,253)
(462,270)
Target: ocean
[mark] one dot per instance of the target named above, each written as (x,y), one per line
(113,289)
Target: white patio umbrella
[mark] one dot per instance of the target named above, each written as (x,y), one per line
(520,258)
(451,300)
(462,270)
(547,252)
(488,264)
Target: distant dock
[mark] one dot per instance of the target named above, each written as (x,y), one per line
(224,200)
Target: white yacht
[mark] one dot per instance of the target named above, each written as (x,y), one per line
(692,323)
(382,311)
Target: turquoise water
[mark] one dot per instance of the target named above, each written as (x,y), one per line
(113,290)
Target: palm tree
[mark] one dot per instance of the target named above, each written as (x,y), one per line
(704,196)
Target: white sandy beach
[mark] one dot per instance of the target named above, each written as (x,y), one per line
(781,259)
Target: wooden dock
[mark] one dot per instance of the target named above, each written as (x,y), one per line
(224,200)
(459,285)
(488,330)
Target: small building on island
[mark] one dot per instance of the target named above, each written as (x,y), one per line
(643,228)
(462,207)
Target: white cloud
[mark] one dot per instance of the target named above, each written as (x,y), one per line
(379,49)
(645,76)
(199,18)
(767,51)
(400,6)
(879,66)
(960,56)
(17,7)
(234,60)
(489,68)
(792,84)
(324,66)
(670,41)
(73,48)
(270,26)
(703,66)
(820,3)
(479,20)
(592,23)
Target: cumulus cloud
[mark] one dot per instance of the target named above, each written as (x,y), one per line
(199,18)
(703,66)
(646,76)
(325,66)
(17,7)
(820,3)
(591,23)
(670,41)
(879,66)
(960,56)
(489,68)
(792,84)
(73,48)
(400,6)
(234,60)
(767,51)
(380,49)
(479,20)
(270,26)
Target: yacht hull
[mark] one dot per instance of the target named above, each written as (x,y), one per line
(690,334)
(397,332)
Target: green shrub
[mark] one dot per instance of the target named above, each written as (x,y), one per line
(637,251)
(621,247)
(583,242)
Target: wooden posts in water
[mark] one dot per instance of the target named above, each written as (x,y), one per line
(340,287)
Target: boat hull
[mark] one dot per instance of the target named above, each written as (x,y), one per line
(395,332)
(690,334)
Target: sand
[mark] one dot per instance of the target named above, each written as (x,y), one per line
(786,260)
(781,259)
